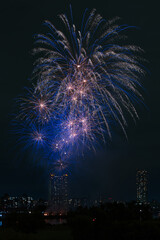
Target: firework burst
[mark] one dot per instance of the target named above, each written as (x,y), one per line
(84,80)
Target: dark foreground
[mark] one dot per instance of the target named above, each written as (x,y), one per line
(107,222)
(126,231)
(57,233)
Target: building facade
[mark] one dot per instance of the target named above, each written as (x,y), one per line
(58,194)
(142,186)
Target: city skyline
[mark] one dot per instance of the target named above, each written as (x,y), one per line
(59,195)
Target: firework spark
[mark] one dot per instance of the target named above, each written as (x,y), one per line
(84,81)
(35,106)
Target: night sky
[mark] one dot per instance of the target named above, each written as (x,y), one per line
(112,170)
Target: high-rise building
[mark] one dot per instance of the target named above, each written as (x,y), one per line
(58,194)
(142,186)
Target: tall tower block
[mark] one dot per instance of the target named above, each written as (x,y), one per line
(58,194)
(142,186)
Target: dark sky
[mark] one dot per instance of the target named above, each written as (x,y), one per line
(111,171)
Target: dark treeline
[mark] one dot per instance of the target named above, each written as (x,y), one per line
(114,221)
(126,221)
